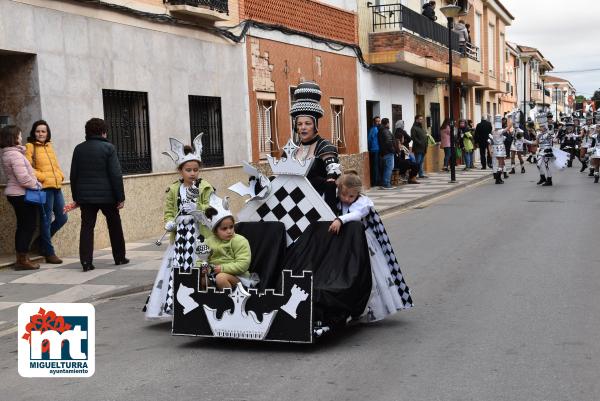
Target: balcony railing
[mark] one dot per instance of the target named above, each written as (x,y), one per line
(396,16)
(220,6)
(471,51)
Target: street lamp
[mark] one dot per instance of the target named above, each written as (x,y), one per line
(451,12)
(525,60)
(543,93)
(556,100)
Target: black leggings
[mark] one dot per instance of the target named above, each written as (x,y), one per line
(26,222)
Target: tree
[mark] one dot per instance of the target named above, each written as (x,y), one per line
(579,99)
(596,98)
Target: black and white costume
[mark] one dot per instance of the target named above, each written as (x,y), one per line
(496,141)
(326,165)
(548,158)
(389,292)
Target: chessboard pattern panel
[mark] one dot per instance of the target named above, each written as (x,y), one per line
(292,201)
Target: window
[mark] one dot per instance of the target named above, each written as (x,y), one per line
(396,113)
(478,30)
(502,56)
(205,116)
(495,109)
(491,49)
(337,123)
(126,115)
(487,108)
(267,125)
(478,96)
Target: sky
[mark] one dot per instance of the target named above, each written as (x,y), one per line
(565,32)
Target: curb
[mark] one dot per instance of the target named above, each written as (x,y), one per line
(424,198)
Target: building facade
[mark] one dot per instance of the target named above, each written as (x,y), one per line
(152,70)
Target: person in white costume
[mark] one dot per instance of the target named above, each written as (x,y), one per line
(389,292)
(497,149)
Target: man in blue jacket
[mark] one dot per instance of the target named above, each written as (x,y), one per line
(373,144)
(97,185)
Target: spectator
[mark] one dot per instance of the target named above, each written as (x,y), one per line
(19,177)
(445,143)
(482,134)
(468,27)
(373,144)
(429,10)
(97,184)
(466,143)
(402,162)
(387,151)
(40,154)
(463,35)
(420,143)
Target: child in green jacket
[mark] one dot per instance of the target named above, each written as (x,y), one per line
(230,252)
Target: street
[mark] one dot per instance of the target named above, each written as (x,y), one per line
(504,279)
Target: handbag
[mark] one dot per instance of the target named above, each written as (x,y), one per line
(35,196)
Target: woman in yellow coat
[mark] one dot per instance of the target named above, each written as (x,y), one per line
(40,153)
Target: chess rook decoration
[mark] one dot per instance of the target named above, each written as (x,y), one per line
(298,295)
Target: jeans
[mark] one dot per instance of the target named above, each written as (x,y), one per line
(447,154)
(468,159)
(388,166)
(53,207)
(375,161)
(26,221)
(89,214)
(419,159)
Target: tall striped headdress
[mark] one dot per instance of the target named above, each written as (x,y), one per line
(307,98)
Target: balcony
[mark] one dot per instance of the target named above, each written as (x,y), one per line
(405,40)
(212,10)
(470,65)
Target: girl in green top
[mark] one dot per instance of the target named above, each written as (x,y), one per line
(230,252)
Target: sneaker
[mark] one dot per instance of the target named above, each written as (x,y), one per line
(388,188)
(423,176)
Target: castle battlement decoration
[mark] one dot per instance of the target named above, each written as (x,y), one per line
(242,313)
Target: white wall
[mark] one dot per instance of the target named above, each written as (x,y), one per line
(386,89)
(78,56)
(348,5)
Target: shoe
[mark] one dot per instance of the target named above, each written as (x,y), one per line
(512,171)
(497,176)
(570,163)
(596,177)
(423,176)
(87,266)
(542,180)
(384,188)
(53,259)
(413,181)
(548,182)
(483,168)
(23,263)
(583,167)
(505,175)
(445,169)
(124,261)
(591,174)
(522,170)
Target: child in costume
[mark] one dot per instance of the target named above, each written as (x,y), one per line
(498,150)
(389,292)
(185,197)
(229,259)
(594,149)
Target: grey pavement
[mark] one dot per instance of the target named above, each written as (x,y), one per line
(505,281)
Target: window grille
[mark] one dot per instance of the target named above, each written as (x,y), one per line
(337,124)
(205,116)
(267,133)
(126,116)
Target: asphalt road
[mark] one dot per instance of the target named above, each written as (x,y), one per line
(506,281)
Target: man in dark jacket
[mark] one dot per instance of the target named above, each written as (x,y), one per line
(429,10)
(482,134)
(420,144)
(97,184)
(387,151)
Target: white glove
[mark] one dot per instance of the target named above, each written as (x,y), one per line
(170,226)
(189,207)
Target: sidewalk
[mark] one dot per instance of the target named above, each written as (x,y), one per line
(68,283)
(387,201)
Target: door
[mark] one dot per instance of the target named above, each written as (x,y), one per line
(434,109)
